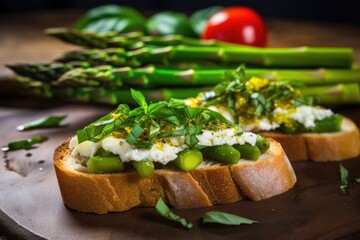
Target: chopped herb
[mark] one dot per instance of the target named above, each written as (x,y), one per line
(252,98)
(23,144)
(344,185)
(103,126)
(164,211)
(225,218)
(142,126)
(47,122)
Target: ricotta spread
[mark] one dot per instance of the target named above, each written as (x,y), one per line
(161,151)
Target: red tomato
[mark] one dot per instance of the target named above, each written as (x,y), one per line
(240,25)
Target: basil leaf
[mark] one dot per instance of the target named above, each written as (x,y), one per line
(193,112)
(134,134)
(225,218)
(155,106)
(89,133)
(139,98)
(344,185)
(47,122)
(130,19)
(164,211)
(173,120)
(23,144)
(199,19)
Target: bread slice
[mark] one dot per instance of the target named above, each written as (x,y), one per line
(320,146)
(209,184)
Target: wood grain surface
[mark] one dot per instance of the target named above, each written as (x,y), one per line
(30,202)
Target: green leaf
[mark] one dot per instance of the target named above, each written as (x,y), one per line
(344,185)
(89,133)
(92,131)
(47,122)
(155,107)
(199,18)
(139,98)
(130,19)
(164,211)
(168,22)
(134,134)
(357,180)
(193,112)
(23,144)
(169,115)
(225,218)
(137,112)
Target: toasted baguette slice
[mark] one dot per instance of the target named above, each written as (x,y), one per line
(321,146)
(209,184)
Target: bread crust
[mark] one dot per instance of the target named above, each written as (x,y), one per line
(271,175)
(320,147)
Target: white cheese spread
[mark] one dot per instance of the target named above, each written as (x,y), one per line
(162,152)
(307,115)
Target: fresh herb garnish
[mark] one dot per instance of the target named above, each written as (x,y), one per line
(103,126)
(47,122)
(344,185)
(142,126)
(23,144)
(225,218)
(164,211)
(254,97)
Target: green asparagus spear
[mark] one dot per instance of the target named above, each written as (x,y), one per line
(161,76)
(102,75)
(188,159)
(248,151)
(326,125)
(262,143)
(99,164)
(334,94)
(45,72)
(103,153)
(92,39)
(337,94)
(128,40)
(269,57)
(329,124)
(145,168)
(116,57)
(222,153)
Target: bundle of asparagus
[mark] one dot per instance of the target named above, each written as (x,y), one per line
(180,67)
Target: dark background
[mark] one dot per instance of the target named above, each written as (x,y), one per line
(340,11)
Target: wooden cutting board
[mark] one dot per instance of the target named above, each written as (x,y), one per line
(31,204)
